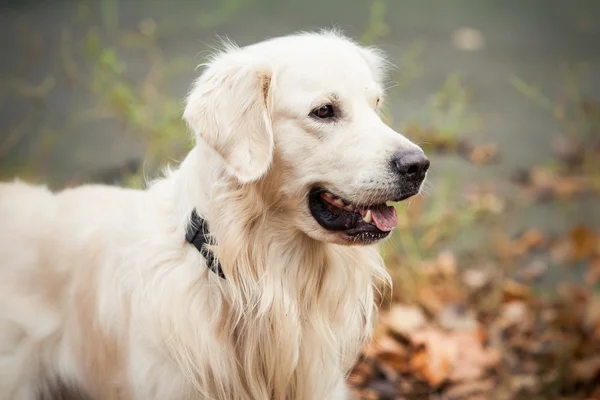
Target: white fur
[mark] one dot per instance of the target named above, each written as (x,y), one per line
(99,290)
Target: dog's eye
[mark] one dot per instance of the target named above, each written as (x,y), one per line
(323,112)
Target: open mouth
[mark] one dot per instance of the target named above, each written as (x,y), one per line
(360,223)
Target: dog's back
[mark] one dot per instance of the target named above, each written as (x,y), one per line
(49,241)
(28,306)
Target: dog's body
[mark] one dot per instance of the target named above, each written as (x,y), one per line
(99,290)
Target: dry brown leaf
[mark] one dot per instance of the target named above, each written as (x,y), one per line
(561,251)
(530,239)
(533,270)
(367,394)
(446,263)
(453,356)
(566,149)
(485,200)
(529,383)
(476,278)
(592,274)
(570,186)
(433,363)
(513,313)
(546,183)
(513,290)
(584,242)
(483,154)
(361,374)
(477,397)
(380,332)
(473,359)
(595,395)
(443,266)
(384,388)
(391,353)
(464,389)
(504,247)
(457,317)
(591,316)
(430,299)
(402,319)
(541,177)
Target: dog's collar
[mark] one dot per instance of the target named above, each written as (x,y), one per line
(197,233)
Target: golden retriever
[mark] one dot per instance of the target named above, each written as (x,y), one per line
(101,292)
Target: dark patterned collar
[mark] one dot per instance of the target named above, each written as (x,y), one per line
(197,233)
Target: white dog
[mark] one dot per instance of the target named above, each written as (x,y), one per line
(108,291)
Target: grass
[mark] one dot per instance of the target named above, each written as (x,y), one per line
(576,112)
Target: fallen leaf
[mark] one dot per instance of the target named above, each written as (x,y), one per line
(570,186)
(512,313)
(504,247)
(430,299)
(388,371)
(584,242)
(446,262)
(391,353)
(483,154)
(433,363)
(473,359)
(587,369)
(476,278)
(567,151)
(453,356)
(591,316)
(530,239)
(541,177)
(533,270)
(468,389)
(361,374)
(513,290)
(485,200)
(561,251)
(457,317)
(368,394)
(592,274)
(403,320)
(384,389)
(528,383)
(545,184)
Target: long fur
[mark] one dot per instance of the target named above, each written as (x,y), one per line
(100,292)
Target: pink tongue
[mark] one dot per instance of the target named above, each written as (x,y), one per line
(384,217)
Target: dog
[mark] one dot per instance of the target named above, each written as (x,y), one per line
(250,271)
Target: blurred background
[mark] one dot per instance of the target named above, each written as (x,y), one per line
(496,266)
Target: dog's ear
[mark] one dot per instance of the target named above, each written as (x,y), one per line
(228,109)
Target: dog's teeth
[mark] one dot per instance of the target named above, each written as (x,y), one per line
(339,202)
(327,195)
(367,218)
(349,207)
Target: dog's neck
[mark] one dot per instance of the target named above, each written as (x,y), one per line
(295,304)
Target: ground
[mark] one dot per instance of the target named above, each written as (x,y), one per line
(496,266)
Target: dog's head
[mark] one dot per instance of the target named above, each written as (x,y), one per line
(305,109)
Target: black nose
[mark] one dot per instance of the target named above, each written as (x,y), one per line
(411,166)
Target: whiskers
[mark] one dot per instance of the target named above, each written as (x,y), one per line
(427,188)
